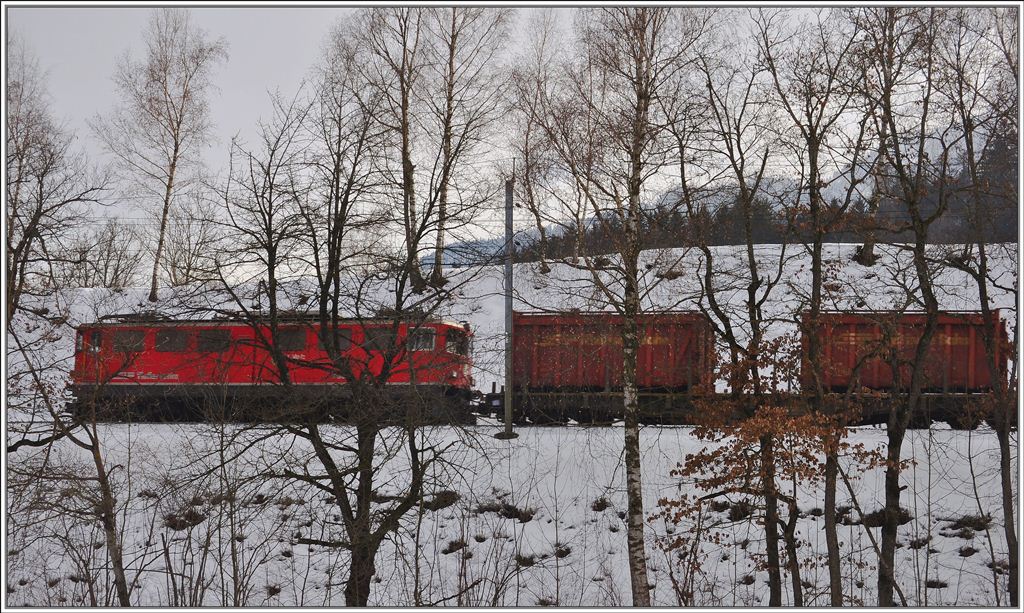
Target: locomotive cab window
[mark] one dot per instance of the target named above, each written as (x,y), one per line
(129,341)
(213,340)
(172,340)
(291,339)
(379,339)
(421,340)
(456,342)
(344,336)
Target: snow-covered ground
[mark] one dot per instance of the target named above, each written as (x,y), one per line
(553,478)
(569,553)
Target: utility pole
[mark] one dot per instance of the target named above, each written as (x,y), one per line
(507,433)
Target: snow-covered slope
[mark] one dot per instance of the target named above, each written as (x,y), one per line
(556,543)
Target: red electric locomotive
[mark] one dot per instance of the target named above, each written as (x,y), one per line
(174,368)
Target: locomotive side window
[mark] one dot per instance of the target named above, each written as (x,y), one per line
(213,340)
(456,342)
(344,336)
(172,340)
(129,341)
(421,340)
(291,339)
(379,339)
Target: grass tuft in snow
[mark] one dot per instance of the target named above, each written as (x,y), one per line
(978,523)
(507,510)
(525,561)
(918,543)
(453,546)
(740,510)
(441,500)
(183,520)
(600,505)
(875,519)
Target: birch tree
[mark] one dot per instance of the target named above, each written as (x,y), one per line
(602,121)
(157,132)
(463,103)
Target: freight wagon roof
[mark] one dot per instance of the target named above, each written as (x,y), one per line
(605,314)
(942,315)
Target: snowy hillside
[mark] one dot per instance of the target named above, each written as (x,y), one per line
(536,520)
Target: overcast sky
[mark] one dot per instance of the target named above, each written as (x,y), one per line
(79,48)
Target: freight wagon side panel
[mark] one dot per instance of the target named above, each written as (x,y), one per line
(955,360)
(585,352)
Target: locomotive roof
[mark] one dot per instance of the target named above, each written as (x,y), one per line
(150,320)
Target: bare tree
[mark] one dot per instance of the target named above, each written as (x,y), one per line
(978,71)
(157,132)
(395,63)
(192,236)
(262,221)
(464,42)
(529,87)
(111,256)
(897,53)
(48,183)
(312,198)
(742,141)
(810,70)
(602,121)
(90,491)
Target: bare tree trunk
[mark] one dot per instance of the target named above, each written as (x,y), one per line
(899,419)
(409,198)
(771,521)
(163,224)
(835,576)
(363,551)
(108,519)
(794,561)
(638,580)
(865,255)
(437,277)
(895,432)
(1006,485)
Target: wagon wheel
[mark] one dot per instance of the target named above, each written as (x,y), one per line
(920,420)
(963,420)
(549,417)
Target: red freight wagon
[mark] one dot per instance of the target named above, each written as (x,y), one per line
(164,364)
(858,350)
(569,365)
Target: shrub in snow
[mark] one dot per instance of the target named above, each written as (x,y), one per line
(453,546)
(441,500)
(600,504)
(875,519)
